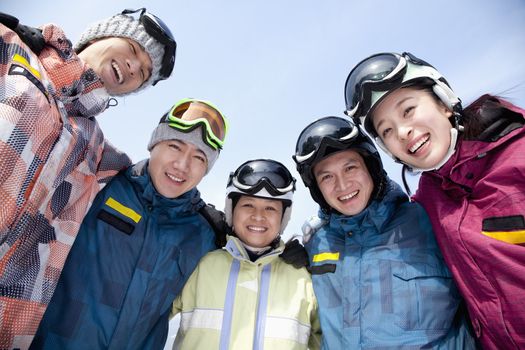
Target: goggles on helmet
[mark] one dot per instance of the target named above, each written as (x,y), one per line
(327,136)
(254,175)
(371,79)
(155,27)
(189,114)
(380,72)
(315,134)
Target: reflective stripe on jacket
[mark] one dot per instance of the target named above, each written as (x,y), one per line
(232,303)
(381,281)
(133,254)
(476,202)
(53,161)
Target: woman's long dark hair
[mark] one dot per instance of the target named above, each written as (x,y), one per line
(488,119)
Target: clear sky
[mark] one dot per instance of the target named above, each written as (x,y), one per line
(274,66)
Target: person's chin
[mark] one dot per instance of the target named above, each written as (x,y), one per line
(111,90)
(431,161)
(172,194)
(349,211)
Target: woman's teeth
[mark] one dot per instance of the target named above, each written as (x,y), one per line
(418,144)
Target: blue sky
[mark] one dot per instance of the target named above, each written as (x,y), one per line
(275,66)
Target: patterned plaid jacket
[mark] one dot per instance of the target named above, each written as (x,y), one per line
(53,161)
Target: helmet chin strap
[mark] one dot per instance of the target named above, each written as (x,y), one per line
(451,149)
(450,152)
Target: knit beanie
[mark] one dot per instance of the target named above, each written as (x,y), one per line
(126,27)
(165,132)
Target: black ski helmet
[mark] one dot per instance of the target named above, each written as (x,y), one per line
(329,135)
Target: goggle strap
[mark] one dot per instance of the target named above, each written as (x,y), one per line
(263,183)
(130,11)
(400,65)
(262,193)
(210,142)
(300,159)
(351,112)
(194,123)
(171,116)
(353,134)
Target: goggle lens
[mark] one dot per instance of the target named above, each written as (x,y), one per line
(330,127)
(270,174)
(374,69)
(160,31)
(187,115)
(195,110)
(252,173)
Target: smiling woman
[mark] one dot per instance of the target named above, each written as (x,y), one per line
(414,126)
(472,185)
(245,296)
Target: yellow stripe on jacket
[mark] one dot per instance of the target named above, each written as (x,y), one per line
(512,237)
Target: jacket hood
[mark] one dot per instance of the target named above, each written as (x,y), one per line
(138,174)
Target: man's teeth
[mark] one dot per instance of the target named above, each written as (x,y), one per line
(177,179)
(256,228)
(348,196)
(418,144)
(120,78)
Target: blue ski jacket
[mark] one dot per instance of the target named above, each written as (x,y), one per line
(133,254)
(381,281)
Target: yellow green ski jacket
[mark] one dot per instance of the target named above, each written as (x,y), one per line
(230,302)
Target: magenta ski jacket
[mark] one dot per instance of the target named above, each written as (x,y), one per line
(476,203)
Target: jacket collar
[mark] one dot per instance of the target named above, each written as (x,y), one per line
(74,84)
(469,149)
(237,250)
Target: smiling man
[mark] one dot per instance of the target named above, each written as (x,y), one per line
(53,155)
(377,272)
(128,54)
(140,241)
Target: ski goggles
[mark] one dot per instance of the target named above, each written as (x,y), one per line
(189,114)
(155,27)
(322,132)
(254,175)
(379,72)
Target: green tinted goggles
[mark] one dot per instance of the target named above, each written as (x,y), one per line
(189,114)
